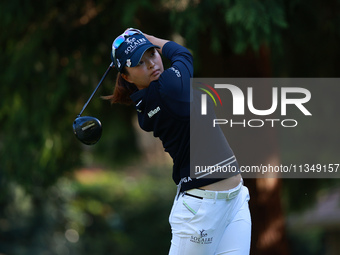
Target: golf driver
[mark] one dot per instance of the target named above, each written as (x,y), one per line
(89,129)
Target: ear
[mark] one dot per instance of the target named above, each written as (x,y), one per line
(126,77)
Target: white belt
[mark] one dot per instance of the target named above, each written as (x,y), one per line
(228,195)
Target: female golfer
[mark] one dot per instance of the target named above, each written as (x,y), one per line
(209,216)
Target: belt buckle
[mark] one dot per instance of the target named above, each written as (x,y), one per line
(233,194)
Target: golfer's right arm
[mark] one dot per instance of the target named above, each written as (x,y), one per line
(156,41)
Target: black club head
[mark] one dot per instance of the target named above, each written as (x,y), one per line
(87,129)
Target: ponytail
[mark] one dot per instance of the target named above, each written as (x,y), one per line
(122,91)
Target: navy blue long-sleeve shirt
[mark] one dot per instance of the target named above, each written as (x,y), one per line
(164,109)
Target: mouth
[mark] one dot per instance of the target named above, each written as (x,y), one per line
(156,72)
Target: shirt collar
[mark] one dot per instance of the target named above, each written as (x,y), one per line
(138,95)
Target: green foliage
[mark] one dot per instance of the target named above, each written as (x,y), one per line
(235,24)
(98,212)
(53,55)
(311,42)
(307,242)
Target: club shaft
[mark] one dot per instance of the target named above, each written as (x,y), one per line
(95,90)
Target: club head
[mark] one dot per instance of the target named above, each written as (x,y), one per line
(87,129)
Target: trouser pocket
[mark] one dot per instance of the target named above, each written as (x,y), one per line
(183,211)
(190,206)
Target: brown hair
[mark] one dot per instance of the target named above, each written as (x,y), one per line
(122,90)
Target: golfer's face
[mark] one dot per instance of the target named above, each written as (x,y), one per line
(148,69)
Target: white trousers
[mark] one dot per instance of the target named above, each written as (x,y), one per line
(211,226)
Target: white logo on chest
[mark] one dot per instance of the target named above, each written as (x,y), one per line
(153,112)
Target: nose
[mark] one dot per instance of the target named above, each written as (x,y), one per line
(151,64)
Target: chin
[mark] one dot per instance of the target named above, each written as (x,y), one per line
(155,78)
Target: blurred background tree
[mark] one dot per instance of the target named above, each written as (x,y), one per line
(53,55)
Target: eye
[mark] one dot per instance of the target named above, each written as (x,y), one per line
(153,52)
(141,63)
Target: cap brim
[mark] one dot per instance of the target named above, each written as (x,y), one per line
(137,56)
